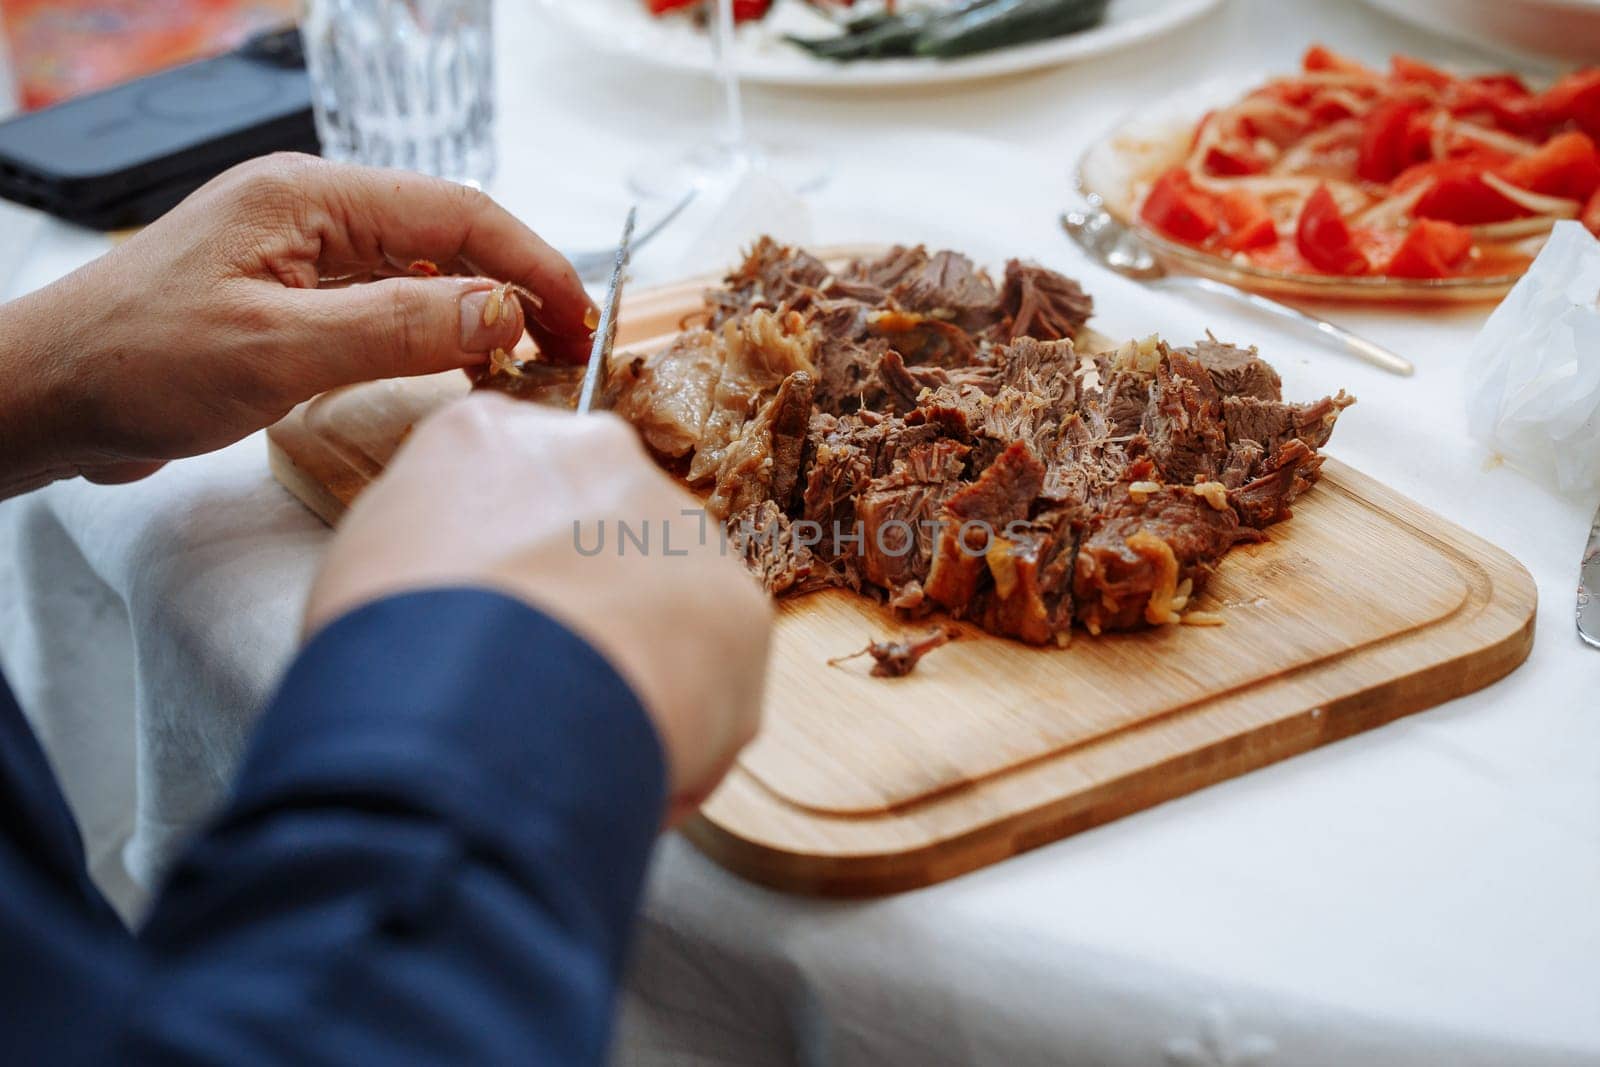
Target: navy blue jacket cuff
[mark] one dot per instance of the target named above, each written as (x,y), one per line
(471,707)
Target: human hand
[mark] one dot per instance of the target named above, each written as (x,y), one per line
(215,320)
(493,492)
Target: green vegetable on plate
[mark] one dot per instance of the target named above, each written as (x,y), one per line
(969,28)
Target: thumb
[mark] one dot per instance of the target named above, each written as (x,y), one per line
(401,327)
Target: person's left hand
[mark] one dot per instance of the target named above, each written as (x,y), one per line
(217,319)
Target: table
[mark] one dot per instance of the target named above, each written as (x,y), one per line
(1425,893)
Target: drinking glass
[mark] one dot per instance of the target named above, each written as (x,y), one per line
(404,83)
(732,154)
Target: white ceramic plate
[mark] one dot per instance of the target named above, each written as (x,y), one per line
(1564,29)
(625,28)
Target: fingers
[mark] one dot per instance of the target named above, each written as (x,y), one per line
(120,473)
(395,328)
(377,216)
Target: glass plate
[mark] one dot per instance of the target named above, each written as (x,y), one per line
(1156,136)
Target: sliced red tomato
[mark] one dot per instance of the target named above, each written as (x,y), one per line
(1430,250)
(1178,208)
(1246,222)
(1324,239)
(1459,194)
(1576,99)
(661,7)
(1318,58)
(1388,141)
(1591,214)
(1566,165)
(1406,69)
(1506,102)
(1229,158)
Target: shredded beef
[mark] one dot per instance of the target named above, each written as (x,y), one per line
(1237,371)
(896,659)
(904,427)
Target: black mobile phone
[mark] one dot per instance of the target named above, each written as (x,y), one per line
(123,156)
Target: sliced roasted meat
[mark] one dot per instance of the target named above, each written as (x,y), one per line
(668,396)
(903,427)
(974,517)
(1237,371)
(899,515)
(948,286)
(1265,499)
(772,550)
(763,463)
(772,276)
(1183,422)
(1150,552)
(1269,423)
(1039,303)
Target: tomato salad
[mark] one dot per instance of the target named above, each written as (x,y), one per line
(1414,173)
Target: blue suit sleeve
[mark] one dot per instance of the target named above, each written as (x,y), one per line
(434,853)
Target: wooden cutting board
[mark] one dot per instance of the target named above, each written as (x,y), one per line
(1362,608)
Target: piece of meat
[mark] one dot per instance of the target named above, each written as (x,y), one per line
(896,659)
(1131,566)
(771,276)
(554,385)
(897,388)
(949,287)
(1236,371)
(898,516)
(767,543)
(1031,595)
(668,396)
(1039,303)
(1243,459)
(764,462)
(974,517)
(1265,499)
(1188,440)
(759,351)
(924,339)
(877,277)
(1269,423)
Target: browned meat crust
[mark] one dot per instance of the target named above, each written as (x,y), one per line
(907,428)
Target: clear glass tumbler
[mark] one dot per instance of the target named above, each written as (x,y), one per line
(404,83)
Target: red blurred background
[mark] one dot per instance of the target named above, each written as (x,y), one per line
(60,48)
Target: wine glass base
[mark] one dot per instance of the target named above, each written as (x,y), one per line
(720,165)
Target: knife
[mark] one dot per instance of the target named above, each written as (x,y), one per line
(1589,588)
(605,335)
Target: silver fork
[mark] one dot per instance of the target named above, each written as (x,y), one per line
(597,262)
(1119,248)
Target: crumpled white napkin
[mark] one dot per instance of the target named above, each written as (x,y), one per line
(1533,376)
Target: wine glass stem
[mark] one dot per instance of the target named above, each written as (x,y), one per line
(733,118)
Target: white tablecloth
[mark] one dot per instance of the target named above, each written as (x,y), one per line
(1425,893)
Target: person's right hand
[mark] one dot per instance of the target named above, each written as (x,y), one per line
(500,493)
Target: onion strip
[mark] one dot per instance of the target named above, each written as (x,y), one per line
(1493,138)
(1391,211)
(1512,229)
(1555,206)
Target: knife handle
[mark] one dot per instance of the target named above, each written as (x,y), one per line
(1358,346)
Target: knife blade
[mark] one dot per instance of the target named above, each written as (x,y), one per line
(605,335)
(1589,588)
